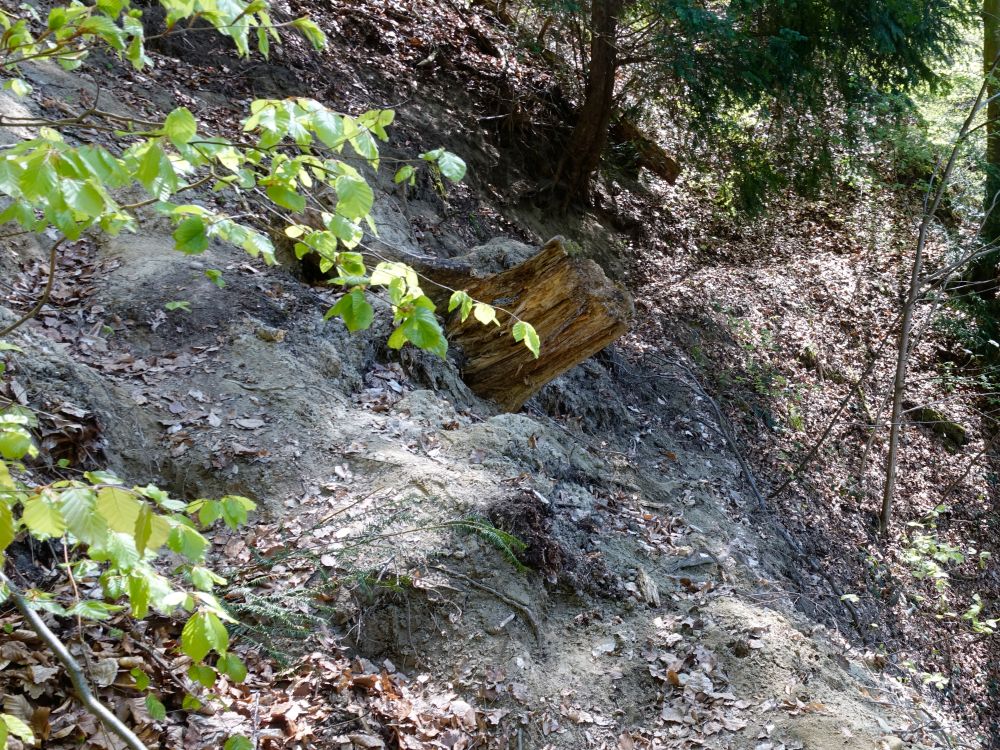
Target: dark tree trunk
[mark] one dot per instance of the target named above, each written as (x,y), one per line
(586,144)
(984,270)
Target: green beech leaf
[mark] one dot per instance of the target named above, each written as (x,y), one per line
(7,530)
(209,511)
(190,703)
(352,264)
(119,507)
(117,548)
(204,674)
(138,595)
(82,197)
(365,147)
(232,666)
(347,231)
(311,31)
(156,173)
(15,444)
(157,711)
(43,518)
(151,530)
(423,330)
(141,679)
(38,180)
(215,276)
(286,198)
(354,197)
(188,542)
(485,314)
(451,166)
(202,633)
(191,236)
(78,506)
(263,45)
(235,509)
(91,609)
(255,243)
(461,301)
(136,53)
(18,728)
(526,332)
(329,128)
(19,87)
(404,173)
(355,309)
(238,742)
(180,126)
(397,339)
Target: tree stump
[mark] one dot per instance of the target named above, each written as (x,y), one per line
(574,307)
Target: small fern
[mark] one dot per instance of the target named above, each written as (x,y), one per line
(508,544)
(279,622)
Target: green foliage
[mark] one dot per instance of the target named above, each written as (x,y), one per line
(781,90)
(526,332)
(983,626)
(930,558)
(293,153)
(509,545)
(238,742)
(273,620)
(117,535)
(157,711)
(11,725)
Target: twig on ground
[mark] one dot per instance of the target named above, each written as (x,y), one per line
(53,258)
(727,433)
(73,669)
(520,607)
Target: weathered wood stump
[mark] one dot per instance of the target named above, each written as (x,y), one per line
(574,307)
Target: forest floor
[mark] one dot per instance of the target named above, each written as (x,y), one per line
(664,598)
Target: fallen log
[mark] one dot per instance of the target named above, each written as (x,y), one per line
(574,307)
(651,154)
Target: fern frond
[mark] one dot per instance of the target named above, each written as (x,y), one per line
(509,545)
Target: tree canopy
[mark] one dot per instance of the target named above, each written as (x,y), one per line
(759,76)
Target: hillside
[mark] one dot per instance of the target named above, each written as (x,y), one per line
(655,592)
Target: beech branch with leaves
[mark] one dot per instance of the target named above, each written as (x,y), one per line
(295,155)
(114,534)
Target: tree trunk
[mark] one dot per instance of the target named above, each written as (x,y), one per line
(984,271)
(912,297)
(572,305)
(586,144)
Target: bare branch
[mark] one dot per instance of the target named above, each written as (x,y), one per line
(73,669)
(53,258)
